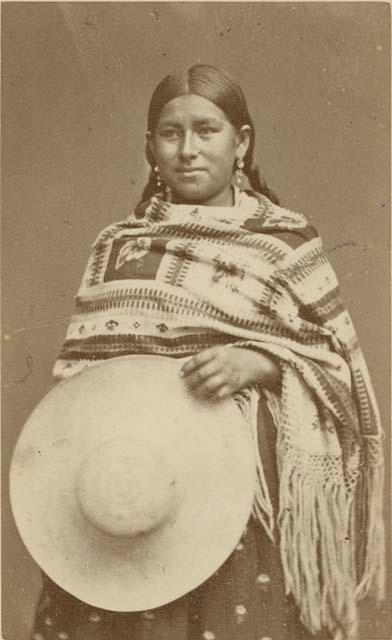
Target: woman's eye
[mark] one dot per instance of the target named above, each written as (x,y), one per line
(169,133)
(206,130)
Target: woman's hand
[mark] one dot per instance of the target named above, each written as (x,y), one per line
(221,371)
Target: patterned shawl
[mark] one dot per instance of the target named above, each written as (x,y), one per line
(174,279)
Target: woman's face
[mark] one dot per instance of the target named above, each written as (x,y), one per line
(195,147)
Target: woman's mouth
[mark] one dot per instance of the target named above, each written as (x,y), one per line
(190,173)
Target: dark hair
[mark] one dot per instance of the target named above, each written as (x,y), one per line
(220,88)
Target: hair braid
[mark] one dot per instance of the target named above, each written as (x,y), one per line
(258,183)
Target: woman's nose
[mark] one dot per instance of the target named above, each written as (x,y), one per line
(188,146)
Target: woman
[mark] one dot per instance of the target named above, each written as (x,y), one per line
(228,267)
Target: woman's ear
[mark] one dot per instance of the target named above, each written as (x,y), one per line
(243,141)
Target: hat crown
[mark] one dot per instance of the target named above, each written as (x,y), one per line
(126,487)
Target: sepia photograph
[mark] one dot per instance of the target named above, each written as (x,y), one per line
(196,320)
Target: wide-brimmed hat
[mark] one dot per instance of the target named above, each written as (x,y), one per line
(128,491)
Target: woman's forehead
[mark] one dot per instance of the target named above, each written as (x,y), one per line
(191,107)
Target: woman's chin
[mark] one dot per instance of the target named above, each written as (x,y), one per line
(190,194)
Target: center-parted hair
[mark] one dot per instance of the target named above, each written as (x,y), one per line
(220,88)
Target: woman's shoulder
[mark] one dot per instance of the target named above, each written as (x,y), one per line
(112,230)
(290,226)
(136,217)
(108,232)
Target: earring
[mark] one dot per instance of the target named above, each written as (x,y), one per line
(239,172)
(168,194)
(157,177)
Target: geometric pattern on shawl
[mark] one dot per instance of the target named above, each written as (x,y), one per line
(174,279)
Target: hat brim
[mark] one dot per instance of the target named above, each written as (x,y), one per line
(211,452)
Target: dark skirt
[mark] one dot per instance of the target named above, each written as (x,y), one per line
(243,600)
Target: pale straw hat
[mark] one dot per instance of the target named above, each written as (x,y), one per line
(128,491)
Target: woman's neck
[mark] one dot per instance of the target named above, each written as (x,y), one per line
(226,199)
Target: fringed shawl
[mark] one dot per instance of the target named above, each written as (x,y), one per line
(175,279)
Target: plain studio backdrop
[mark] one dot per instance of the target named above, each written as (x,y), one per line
(77,78)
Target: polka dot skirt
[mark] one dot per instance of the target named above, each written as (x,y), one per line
(243,600)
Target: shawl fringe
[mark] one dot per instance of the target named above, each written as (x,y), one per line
(314,530)
(372,580)
(248,401)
